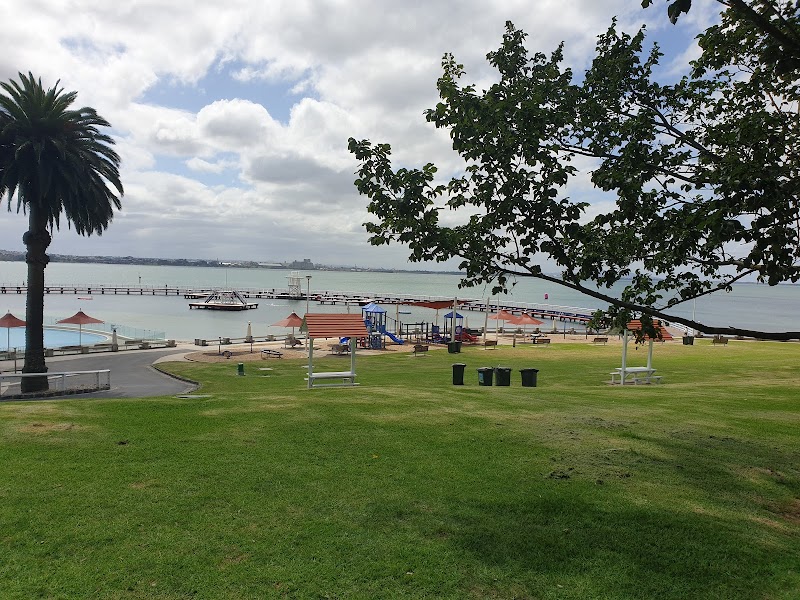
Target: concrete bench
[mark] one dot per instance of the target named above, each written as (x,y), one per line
(600,340)
(420,348)
(271,354)
(348,379)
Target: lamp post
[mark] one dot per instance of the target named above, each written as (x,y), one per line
(308,295)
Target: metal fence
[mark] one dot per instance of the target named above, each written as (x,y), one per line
(67,382)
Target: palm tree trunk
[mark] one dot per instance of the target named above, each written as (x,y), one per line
(36,239)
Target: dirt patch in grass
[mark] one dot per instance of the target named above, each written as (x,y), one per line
(38,428)
(791,512)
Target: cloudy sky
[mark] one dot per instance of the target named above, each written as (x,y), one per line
(232,118)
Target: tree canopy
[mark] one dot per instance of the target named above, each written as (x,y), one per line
(700,174)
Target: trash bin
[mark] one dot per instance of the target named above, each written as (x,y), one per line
(458,373)
(485,375)
(529,377)
(454,347)
(688,340)
(503,375)
(240,369)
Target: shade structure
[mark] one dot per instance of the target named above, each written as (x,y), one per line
(80,319)
(292,321)
(8,321)
(635,325)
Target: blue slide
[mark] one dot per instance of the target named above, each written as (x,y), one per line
(392,337)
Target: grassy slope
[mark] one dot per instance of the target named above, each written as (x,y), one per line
(407,486)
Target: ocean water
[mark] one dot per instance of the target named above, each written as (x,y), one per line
(748,305)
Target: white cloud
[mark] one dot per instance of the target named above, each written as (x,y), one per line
(209,170)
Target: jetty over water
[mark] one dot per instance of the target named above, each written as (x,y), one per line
(343,298)
(224,300)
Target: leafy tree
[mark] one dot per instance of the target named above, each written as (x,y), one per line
(703,172)
(53,160)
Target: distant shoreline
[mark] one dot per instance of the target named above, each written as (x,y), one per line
(14,256)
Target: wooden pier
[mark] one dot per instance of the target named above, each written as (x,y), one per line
(557,313)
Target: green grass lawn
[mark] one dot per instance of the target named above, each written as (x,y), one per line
(409,487)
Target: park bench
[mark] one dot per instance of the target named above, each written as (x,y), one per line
(490,343)
(718,339)
(600,340)
(420,348)
(267,353)
(348,378)
(540,340)
(339,349)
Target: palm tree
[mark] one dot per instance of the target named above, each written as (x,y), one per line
(53,159)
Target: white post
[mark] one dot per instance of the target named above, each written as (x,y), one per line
(352,354)
(310,361)
(486,320)
(497,324)
(624,356)
(453,323)
(650,356)
(308,293)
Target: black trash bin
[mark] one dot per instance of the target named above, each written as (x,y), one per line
(688,340)
(485,375)
(529,377)
(458,373)
(503,375)
(454,347)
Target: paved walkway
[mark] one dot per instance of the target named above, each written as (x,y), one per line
(132,374)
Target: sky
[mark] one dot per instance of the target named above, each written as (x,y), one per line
(232,118)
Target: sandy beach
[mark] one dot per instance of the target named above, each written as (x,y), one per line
(243,353)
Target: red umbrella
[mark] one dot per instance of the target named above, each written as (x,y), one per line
(80,319)
(291,321)
(8,321)
(525,319)
(503,315)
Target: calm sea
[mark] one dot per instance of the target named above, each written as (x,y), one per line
(748,305)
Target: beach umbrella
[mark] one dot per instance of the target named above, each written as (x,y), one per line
(80,319)
(291,321)
(8,321)
(525,319)
(503,315)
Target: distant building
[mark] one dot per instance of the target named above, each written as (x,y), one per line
(304,264)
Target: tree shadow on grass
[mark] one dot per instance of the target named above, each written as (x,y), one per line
(723,535)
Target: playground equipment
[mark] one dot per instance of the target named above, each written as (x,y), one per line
(375,321)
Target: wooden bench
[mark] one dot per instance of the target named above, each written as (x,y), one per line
(345,376)
(420,348)
(339,349)
(718,339)
(267,353)
(540,340)
(600,340)
(490,344)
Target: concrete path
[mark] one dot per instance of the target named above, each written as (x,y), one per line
(132,374)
